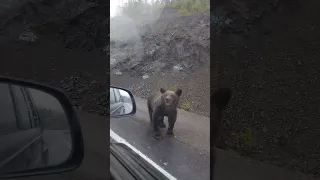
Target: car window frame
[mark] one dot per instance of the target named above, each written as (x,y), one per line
(35,118)
(117,95)
(27,101)
(17,112)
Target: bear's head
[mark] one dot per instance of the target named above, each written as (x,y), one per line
(171,98)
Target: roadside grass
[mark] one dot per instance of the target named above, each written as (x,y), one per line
(171,88)
(187,7)
(185,106)
(246,137)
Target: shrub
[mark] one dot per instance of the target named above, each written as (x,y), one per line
(184,11)
(171,88)
(246,137)
(191,6)
(185,106)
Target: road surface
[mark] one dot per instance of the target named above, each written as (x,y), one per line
(59,145)
(187,155)
(127,107)
(175,155)
(187,152)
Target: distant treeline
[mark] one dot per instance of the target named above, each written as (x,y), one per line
(137,7)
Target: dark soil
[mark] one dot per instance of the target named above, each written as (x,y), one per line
(193,93)
(64,54)
(273,70)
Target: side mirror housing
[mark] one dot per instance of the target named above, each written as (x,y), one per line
(39,130)
(122,102)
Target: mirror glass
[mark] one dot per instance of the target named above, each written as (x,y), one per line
(34,129)
(120,102)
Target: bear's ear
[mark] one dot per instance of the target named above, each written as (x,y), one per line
(221,97)
(179,92)
(162,90)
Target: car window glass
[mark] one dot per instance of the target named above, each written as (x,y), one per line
(21,104)
(112,96)
(8,121)
(117,94)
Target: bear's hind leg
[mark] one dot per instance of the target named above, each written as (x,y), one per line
(161,122)
(150,114)
(171,119)
(155,124)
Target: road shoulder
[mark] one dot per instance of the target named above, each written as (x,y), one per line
(234,167)
(194,131)
(191,129)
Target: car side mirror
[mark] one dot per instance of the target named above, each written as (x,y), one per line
(122,102)
(39,130)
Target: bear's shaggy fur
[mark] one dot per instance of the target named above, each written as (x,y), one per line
(163,103)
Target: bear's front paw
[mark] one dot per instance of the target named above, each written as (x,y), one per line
(157,135)
(170,133)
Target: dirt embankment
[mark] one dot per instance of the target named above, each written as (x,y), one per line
(170,51)
(58,43)
(271,63)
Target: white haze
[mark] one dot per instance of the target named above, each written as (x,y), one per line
(124,27)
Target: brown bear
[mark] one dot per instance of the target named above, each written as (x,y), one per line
(219,99)
(160,104)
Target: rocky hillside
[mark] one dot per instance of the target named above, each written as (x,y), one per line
(58,43)
(172,43)
(169,50)
(268,54)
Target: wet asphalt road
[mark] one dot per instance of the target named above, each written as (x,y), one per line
(178,159)
(59,145)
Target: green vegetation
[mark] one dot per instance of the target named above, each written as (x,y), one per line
(136,8)
(185,106)
(246,137)
(171,88)
(191,6)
